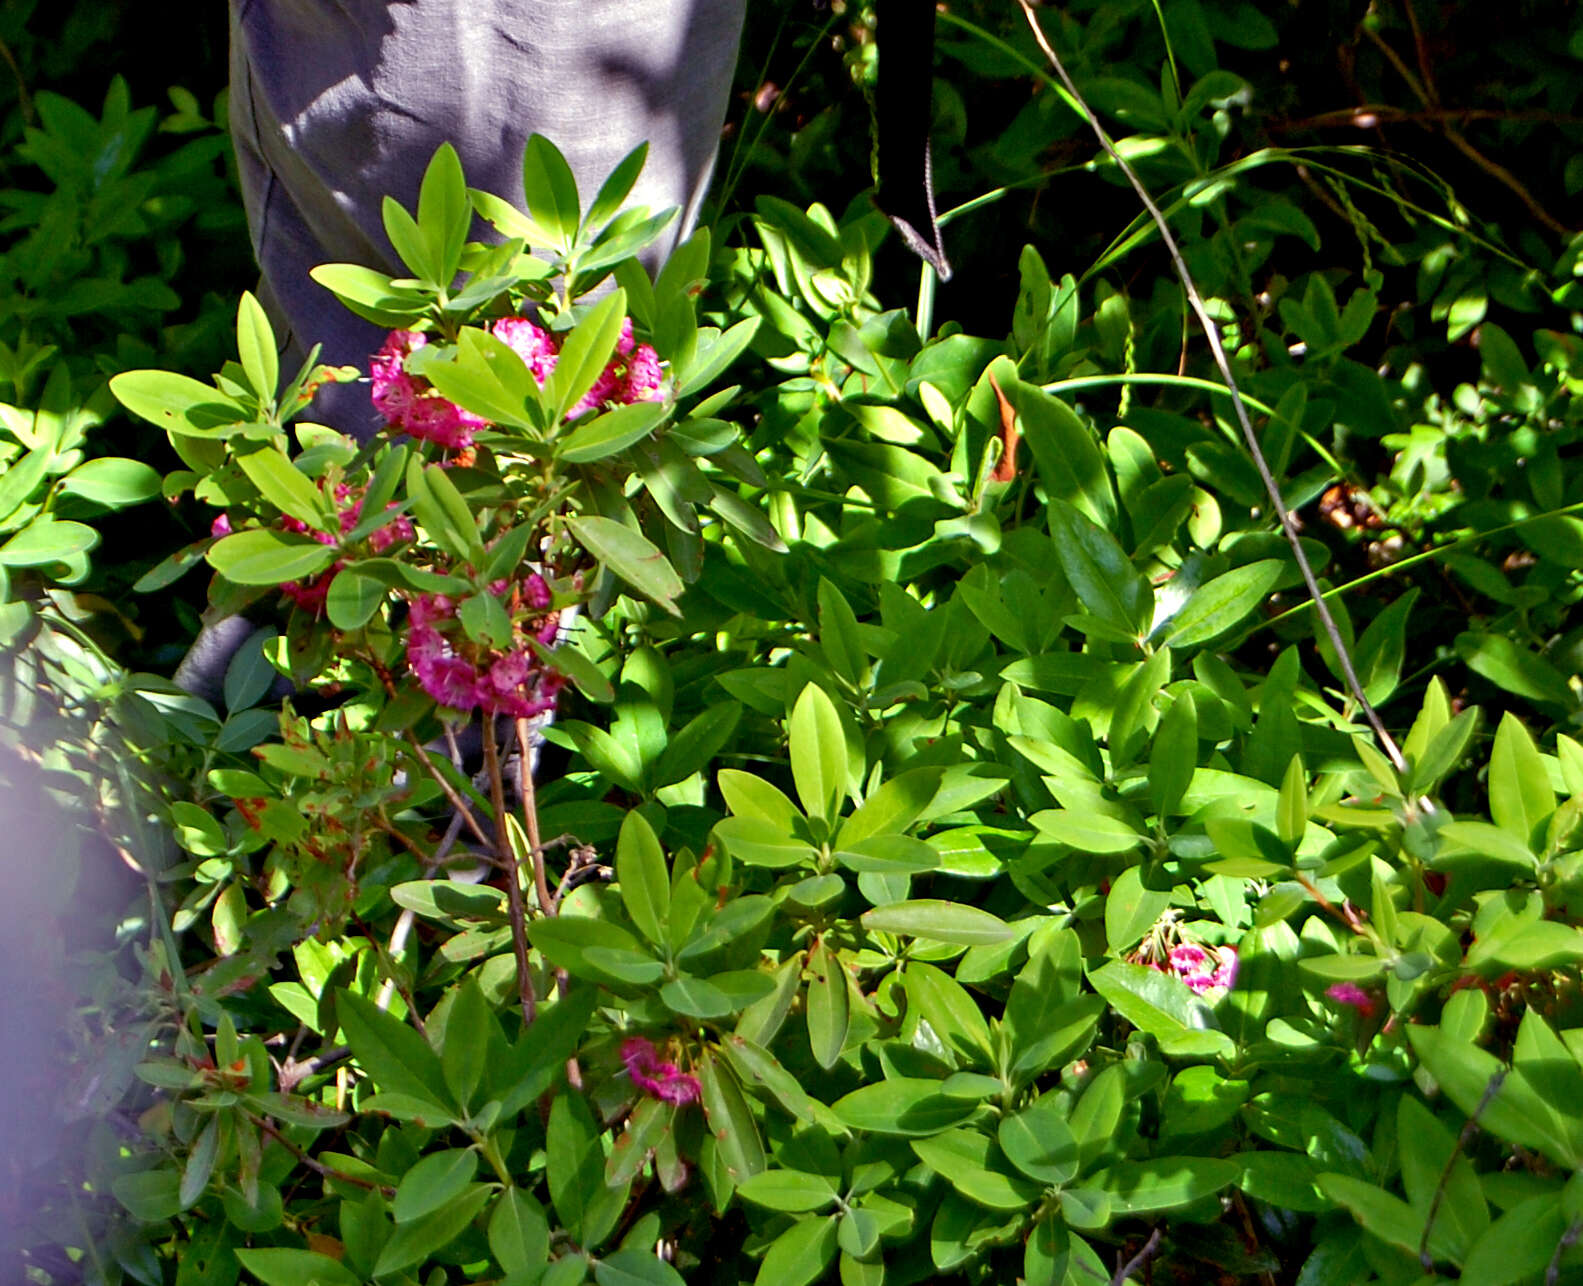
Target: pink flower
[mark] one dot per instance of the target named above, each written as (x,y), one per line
(221,526)
(1349,993)
(1204,970)
(661,1080)
(643,376)
(607,388)
(465,676)
(531,342)
(410,403)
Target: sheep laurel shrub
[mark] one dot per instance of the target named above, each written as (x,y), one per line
(919,882)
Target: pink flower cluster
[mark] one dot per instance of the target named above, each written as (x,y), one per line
(656,1078)
(1349,993)
(1203,969)
(410,403)
(459,674)
(310,594)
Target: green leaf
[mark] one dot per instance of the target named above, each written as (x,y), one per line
(178,404)
(436,1179)
(47,541)
(1065,451)
(468,1028)
(1518,1246)
(971,1163)
(696,998)
(285,486)
(111,481)
(1515,669)
(611,432)
(444,214)
(800,1255)
(1521,799)
(1099,571)
(630,556)
(694,747)
(643,878)
(1039,1142)
(1173,756)
(1217,606)
(395,1055)
(905,1106)
(283,1266)
(818,753)
(1163,1006)
(789,1191)
(1164,1183)
(730,1119)
(829,1005)
(838,634)
(585,353)
(938,921)
(617,187)
(635,1268)
(412,1243)
(519,1233)
(1131,910)
(760,843)
(255,342)
(1087,832)
(265,557)
(550,191)
(1291,810)
(353,600)
(200,1163)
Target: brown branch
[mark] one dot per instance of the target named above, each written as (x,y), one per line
(1424,91)
(1150,1249)
(530,816)
(457,801)
(506,854)
(313,1163)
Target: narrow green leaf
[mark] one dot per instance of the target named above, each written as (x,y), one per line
(550,191)
(265,557)
(938,921)
(1217,606)
(818,753)
(285,486)
(630,556)
(1521,799)
(829,1005)
(255,343)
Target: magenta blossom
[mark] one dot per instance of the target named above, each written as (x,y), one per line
(656,1078)
(310,594)
(463,675)
(410,403)
(1349,993)
(1204,969)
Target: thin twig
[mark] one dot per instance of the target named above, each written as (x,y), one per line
(313,1163)
(1424,91)
(23,98)
(457,801)
(1568,1240)
(293,1073)
(530,816)
(507,855)
(405,921)
(1464,1137)
(1150,1249)
(1223,364)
